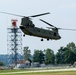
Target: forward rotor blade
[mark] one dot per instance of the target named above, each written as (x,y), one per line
(67,29)
(47,23)
(12,14)
(39,14)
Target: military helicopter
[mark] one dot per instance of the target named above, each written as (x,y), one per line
(28,28)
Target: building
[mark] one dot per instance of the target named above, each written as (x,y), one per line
(23,64)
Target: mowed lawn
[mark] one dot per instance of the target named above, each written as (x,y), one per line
(43,73)
(50,73)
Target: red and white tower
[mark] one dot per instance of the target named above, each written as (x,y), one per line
(14,43)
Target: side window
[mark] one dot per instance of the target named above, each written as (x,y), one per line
(54,34)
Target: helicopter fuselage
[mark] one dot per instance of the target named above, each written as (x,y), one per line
(29,28)
(40,32)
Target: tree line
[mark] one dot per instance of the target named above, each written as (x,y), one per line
(65,55)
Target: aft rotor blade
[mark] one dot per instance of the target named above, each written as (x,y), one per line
(67,29)
(49,27)
(40,14)
(11,14)
(47,23)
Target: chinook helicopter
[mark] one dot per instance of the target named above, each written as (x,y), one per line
(28,28)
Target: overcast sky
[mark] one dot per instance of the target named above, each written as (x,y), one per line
(63,14)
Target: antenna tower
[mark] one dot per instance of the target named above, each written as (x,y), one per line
(14,43)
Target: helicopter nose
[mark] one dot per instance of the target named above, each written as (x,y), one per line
(59,37)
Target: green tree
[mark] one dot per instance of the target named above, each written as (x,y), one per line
(75,55)
(49,56)
(26,52)
(71,46)
(66,55)
(38,56)
(60,56)
(1,63)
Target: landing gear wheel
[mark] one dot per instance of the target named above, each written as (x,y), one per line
(24,35)
(47,39)
(41,39)
(31,34)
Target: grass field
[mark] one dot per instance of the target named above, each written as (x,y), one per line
(45,73)
(38,72)
(51,73)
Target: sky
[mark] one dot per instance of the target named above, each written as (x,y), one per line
(63,15)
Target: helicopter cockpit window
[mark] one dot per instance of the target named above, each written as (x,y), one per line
(54,34)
